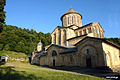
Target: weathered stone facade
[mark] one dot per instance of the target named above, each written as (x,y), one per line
(77,45)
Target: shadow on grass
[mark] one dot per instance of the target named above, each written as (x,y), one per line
(8,73)
(98,71)
(1,63)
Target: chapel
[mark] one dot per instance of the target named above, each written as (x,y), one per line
(74,44)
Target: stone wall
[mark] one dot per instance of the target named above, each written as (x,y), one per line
(111,55)
(17,59)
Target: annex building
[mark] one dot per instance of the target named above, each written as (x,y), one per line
(74,44)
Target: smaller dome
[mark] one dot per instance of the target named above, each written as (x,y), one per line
(40,43)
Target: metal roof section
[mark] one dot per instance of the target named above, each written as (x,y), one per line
(69,50)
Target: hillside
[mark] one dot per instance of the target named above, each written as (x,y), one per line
(13,54)
(16,39)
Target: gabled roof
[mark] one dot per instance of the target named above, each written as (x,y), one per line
(102,39)
(56,46)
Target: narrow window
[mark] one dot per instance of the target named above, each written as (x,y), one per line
(88,51)
(84,31)
(55,38)
(78,19)
(68,20)
(63,59)
(72,19)
(71,59)
(76,34)
(89,30)
(64,21)
(64,37)
(59,37)
(80,33)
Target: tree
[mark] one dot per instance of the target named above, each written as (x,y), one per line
(21,40)
(2,12)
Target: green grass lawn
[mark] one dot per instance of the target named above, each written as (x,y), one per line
(13,54)
(9,72)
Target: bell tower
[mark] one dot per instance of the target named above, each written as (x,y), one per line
(39,46)
(71,17)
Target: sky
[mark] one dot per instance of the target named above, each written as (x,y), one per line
(44,15)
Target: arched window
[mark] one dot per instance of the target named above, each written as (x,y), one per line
(80,33)
(59,37)
(76,33)
(64,37)
(78,19)
(87,51)
(84,31)
(68,20)
(55,38)
(71,58)
(64,21)
(72,19)
(63,59)
(89,30)
(54,53)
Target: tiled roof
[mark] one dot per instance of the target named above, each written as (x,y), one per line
(41,54)
(44,54)
(71,11)
(57,46)
(69,50)
(77,37)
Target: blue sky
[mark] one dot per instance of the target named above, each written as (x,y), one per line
(44,15)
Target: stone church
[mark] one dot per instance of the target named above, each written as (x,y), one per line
(74,44)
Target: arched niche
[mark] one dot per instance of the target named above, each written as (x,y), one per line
(89,56)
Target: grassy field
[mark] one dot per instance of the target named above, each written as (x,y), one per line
(25,71)
(13,54)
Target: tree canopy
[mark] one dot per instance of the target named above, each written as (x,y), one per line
(21,40)
(114,40)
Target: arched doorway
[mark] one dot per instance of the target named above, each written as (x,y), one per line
(88,62)
(54,54)
(53,62)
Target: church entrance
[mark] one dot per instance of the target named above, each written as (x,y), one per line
(88,62)
(53,62)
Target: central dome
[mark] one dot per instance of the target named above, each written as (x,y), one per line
(71,17)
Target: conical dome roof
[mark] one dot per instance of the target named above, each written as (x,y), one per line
(40,43)
(70,11)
